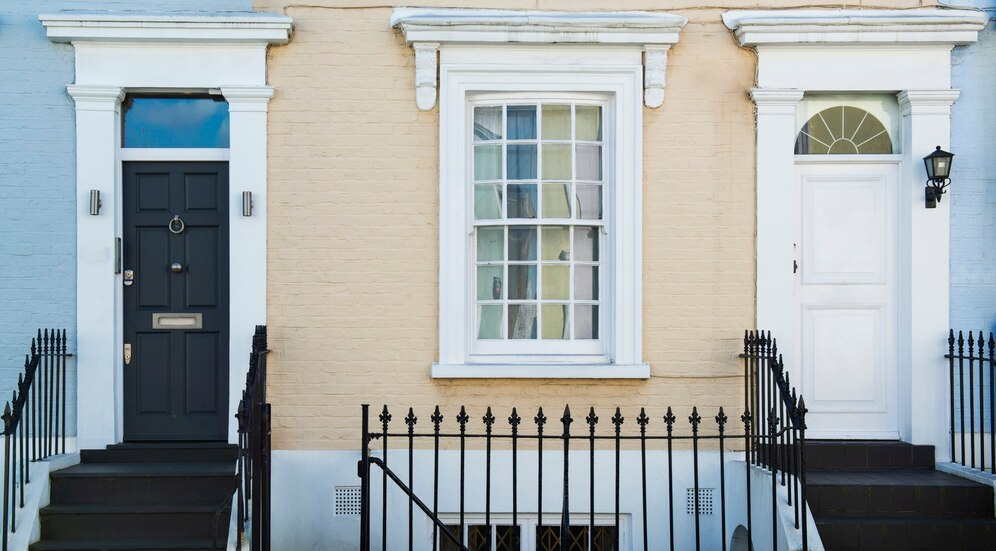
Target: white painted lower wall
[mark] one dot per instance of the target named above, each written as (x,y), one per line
(304,482)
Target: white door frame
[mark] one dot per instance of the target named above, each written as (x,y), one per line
(117,53)
(907,52)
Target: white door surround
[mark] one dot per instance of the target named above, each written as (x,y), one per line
(118,53)
(846,295)
(906,52)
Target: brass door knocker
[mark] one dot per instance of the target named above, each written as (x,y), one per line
(176,225)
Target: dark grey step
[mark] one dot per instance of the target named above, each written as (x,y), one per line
(125,544)
(895,493)
(928,534)
(143,483)
(158,452)
(824,455)
(109,522)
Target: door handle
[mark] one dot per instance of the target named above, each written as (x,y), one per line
(127,353)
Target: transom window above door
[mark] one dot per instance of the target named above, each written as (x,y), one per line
(537,178)
(175,121)
(843,130)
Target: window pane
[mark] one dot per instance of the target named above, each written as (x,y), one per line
(479,538)
(589,201)
(555,321)
(556,122)
(556,161)
(522,321)
(522,282)
(521,201)
(522,122)
(585,321)
(445,544)
(589,162)
(585,243)
(556,283)
(521,162)
(589,122)
(585,282)
(487,201)
(489,282)
(175,122)
(605,538)
(556,201)
(522,243)
(487,162)
(506,538)
(487,123)
(490,244)
(556,243)
(489,321)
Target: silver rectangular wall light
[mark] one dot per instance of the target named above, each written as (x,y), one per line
(94,202)
(246,203)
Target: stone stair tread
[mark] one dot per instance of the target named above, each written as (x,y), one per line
(888,477)
(101,470)
(84,544)
(154,508)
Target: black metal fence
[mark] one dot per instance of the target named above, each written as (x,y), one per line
(34,420)
(252,491)
(971,402)
(778,447)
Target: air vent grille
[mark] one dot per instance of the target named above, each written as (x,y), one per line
(347,501)
(705,501)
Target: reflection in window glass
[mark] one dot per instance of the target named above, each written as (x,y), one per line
(538,220)
(176,121)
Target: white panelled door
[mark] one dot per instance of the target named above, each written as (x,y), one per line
(846,297)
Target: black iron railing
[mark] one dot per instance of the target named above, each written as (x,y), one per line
(779,443)
(972,399)
(252,489)
(34,420)
(777,447)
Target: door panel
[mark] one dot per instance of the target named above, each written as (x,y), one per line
(176,385)
(846,346)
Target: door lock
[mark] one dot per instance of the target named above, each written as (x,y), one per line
(127,353)
(129,277)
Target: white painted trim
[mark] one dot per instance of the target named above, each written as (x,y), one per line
(105,69)
(791,62)
(427,29)
(540,371)
(169,154)
(241,27)
(615,76)
(923,26)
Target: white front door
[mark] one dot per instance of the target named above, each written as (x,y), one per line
(846,297)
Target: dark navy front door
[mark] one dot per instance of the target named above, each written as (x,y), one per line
(176,300)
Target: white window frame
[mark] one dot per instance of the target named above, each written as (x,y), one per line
(615,74)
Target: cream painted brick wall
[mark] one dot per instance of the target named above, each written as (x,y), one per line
(353,231)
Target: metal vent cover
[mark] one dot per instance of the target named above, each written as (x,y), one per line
(347,501)
(705,501)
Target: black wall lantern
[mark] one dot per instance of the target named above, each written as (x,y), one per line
(938,166)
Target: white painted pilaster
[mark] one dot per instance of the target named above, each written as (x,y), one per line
(776,211)
(924,280)
(247,106)
(97,288)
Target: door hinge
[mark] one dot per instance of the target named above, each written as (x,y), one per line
(127,353)
(795,266)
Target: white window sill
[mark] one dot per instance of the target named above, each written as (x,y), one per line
(540,371)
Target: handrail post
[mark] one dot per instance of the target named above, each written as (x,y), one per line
(364,473)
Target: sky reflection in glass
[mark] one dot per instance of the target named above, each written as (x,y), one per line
(183,122)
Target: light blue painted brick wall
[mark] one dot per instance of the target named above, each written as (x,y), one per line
(973,191)
(37,175)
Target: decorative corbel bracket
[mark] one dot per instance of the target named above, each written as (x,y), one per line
(426,70)
(654,66)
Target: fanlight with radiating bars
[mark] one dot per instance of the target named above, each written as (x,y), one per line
(843,131)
